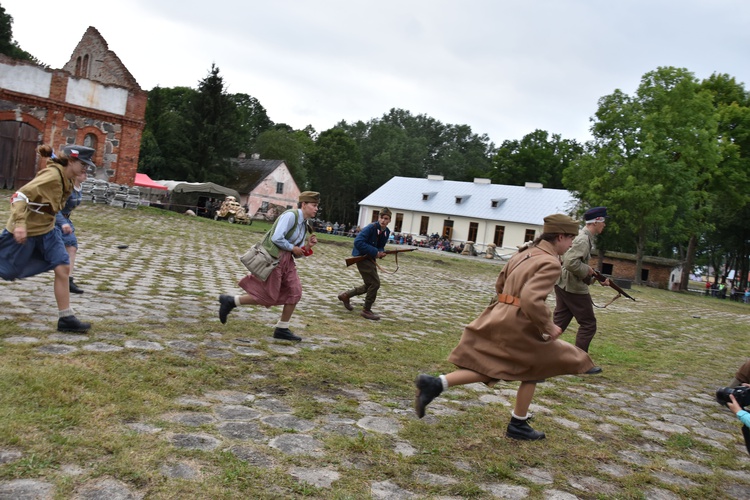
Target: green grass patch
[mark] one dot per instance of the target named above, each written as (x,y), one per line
(75,409)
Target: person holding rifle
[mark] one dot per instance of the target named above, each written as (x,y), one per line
(371,242)
(572,290)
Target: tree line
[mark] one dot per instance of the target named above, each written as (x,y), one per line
(191,134)
(671,161)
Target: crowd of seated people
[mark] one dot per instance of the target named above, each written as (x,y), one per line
(437,242)
(433,241)
(350,230)
(720,291)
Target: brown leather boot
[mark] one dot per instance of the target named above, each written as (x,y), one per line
(343,297)
(367,314)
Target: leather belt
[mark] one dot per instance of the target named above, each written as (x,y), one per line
(508,299)
(43,208)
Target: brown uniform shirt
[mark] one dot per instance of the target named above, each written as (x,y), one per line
(51,187)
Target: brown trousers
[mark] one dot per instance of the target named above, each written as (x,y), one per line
(580,307)
(369,272)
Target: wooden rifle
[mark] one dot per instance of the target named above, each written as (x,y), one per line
(601,279)
(360,258)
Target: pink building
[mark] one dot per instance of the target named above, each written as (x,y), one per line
(266,186)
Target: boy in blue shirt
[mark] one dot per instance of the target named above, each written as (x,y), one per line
(370,241)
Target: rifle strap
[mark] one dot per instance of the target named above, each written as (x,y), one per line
(608,303)
(383,270)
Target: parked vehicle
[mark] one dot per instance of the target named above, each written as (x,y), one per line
(232,211)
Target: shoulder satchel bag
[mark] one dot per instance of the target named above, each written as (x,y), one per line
(258,261)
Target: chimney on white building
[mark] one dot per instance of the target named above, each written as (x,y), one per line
(533,185)
(435,178)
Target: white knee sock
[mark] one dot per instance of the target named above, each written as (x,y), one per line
(237,300)
(282,324)
(525,417)
(444,381)
(65,312)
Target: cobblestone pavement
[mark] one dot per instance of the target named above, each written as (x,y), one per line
(119,284)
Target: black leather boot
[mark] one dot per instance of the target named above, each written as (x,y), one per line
(520,429)
(226,305)
(73,287)
(285,334)
(428,388)
(72,324)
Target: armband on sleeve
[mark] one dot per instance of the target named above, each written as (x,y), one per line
(18,196)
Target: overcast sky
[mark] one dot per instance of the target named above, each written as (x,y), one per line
(505,68)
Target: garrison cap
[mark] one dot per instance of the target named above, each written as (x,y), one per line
(560,224)
(309,197)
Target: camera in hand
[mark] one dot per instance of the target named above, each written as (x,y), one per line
(741,394)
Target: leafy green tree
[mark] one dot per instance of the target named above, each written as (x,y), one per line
(253,120)
(682,124)
(652,158)
(401,144)
(463,155)
(388,151)
(8,46)
(214,121)
(166,147)
(283,143)
(535,158)
(729,236)
(452,151)
(336,172)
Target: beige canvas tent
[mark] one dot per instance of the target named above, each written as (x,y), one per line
(192,195)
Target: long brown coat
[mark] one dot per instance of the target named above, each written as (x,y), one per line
(507,342)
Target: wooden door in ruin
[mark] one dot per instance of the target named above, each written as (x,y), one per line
(18,142)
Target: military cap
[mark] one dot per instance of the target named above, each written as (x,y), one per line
(80,153)
(560,224)
(596,214)
(309,197)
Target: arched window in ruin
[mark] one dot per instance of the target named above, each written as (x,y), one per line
(90,141)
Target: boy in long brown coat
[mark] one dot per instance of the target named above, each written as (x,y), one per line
(515,338)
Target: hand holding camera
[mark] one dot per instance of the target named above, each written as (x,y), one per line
(734,398)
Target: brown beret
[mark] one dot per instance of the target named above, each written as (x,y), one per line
(385,211)
(309,197)
(560,224)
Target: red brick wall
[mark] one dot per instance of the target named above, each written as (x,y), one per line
(658,275)
(118,137)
